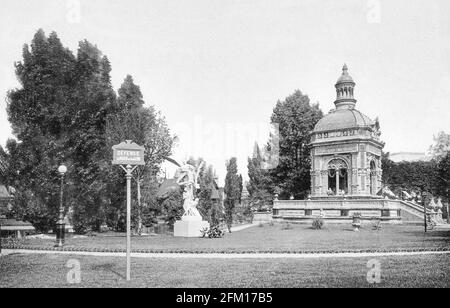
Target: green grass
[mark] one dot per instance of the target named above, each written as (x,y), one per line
(274,238)
(51,271)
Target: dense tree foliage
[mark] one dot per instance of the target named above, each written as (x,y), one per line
(296,118)
(58,116)
(62,114)
(410,176)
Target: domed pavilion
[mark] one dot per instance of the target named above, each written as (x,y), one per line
(346,149)
(346,169)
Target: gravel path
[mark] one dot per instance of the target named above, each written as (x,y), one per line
(231,255)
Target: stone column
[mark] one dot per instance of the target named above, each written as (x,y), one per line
(354,181)
(337,182)
(324,179)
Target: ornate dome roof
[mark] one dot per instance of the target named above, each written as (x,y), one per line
(343,119)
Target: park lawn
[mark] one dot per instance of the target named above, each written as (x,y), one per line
(271,238)
(39,270)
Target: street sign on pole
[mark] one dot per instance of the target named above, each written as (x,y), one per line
(130,155)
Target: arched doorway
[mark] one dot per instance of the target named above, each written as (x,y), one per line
(337,177)
(373,178)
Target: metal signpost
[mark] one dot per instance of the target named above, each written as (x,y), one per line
(130,155)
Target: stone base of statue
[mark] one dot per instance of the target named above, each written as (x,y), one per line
(190,226)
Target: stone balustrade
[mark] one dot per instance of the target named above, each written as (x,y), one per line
(341,210)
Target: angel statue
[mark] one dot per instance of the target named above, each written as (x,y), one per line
(187,177)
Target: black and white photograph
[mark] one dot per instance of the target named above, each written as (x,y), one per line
(224,150)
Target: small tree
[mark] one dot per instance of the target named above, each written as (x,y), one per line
(233,184)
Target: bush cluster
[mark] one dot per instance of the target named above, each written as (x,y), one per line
(213,232)
(318,224)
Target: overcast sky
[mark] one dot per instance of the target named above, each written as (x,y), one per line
(215,68)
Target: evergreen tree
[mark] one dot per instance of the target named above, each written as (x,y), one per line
(130,95)
(259,185)
(92,101)
(58,115)
(233,184)
(39,115)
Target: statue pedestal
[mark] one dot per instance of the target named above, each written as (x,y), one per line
(190,227)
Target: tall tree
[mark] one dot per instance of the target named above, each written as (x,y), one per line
(92,101)
(58,116)
(296,118)
(259,185)
(39,115)
(233,184)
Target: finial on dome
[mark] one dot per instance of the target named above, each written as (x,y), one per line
(345,68)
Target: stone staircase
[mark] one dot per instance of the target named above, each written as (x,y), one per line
(411,212)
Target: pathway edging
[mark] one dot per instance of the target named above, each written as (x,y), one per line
(231,255)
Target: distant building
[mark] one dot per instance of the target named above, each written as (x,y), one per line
(5,196)
(8,225)
(5,201)
(409,157)
(245,196)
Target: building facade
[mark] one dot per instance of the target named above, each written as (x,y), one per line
(346,149)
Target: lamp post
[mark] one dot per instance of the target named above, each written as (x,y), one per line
(424,195)
(448,205)
(60,225)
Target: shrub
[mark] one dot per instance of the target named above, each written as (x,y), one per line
(214,232)
(318,224)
